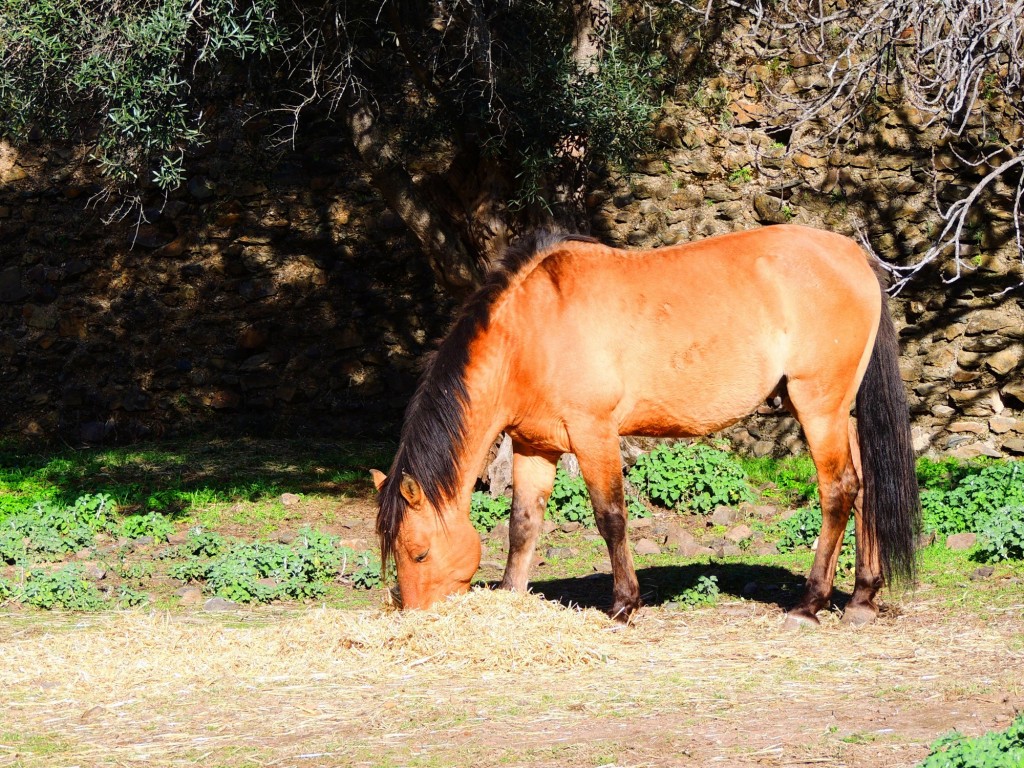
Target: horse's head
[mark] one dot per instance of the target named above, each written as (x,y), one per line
(436,549)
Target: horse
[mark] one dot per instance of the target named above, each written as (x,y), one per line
(569,344)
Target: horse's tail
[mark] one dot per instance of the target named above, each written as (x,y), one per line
(892,501)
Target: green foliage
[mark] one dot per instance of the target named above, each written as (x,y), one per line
(975,492)
(799,529)
(128,597)
(788,481)
(995,749)
(704,592)
(1001,535)
(151,524)
(127,67)
(64,588)
(367,574)
(803,527)
(696,477)
(941,474)
(741,175)
(259,571)
(486,512)
(48,531)
(200,543)
(569,501)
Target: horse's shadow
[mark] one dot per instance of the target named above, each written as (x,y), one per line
(668,585)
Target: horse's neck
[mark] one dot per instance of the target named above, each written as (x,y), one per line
(486,414)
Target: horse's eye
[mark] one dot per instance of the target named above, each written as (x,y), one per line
(421,558)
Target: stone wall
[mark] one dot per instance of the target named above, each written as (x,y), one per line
(283,301)
(276,294)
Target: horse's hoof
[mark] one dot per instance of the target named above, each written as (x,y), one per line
(798,620)
(859,615)
(623,612)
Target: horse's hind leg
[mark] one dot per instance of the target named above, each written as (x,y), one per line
(838,485)
(862,608)
(533,476)
(601,464)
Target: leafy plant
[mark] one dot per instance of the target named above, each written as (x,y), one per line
(485,512)
(1002,535)
(150,524)
(790,481)
(975,495)
(64,588)
(940,474)
(201,543)
(367,574)
(49,530)
(93,510)
(803,527)
(704,592)
(690,476)
(127,64)
(128,597)
(995,749)
(569,501)
(741,175)
(259,572)
(136,571)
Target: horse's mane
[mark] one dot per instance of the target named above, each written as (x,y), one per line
(435,423)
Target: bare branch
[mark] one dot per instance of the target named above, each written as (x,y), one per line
(959,63)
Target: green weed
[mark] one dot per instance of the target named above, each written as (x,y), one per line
(705,592)
(992,750)
(1002,535)
(152,524)
(485,512)
(966,497)
(741,175)
(791,481)
(694,476)
(569,501)
(64,588)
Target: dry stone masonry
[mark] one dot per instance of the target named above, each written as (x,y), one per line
(278,295)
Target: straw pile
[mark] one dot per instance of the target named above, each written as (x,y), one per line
(486,672)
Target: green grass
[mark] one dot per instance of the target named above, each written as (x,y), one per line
(788,481)
(37,745)
(179,477)
(234,488)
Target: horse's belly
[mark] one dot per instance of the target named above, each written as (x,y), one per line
(686,408)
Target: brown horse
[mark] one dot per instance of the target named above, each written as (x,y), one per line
(570,344)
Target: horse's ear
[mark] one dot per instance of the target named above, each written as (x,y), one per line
(411,490)
(378,478)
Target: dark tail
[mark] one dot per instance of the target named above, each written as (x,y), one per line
(892,501)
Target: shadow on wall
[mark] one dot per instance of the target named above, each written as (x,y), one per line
(284,302)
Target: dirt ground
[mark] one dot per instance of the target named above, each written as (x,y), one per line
(495,681)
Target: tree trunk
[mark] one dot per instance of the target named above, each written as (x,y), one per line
(455,267)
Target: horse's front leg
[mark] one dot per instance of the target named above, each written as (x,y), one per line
(601,464)
(533,476)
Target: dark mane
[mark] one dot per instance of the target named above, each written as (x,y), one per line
(434,427)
